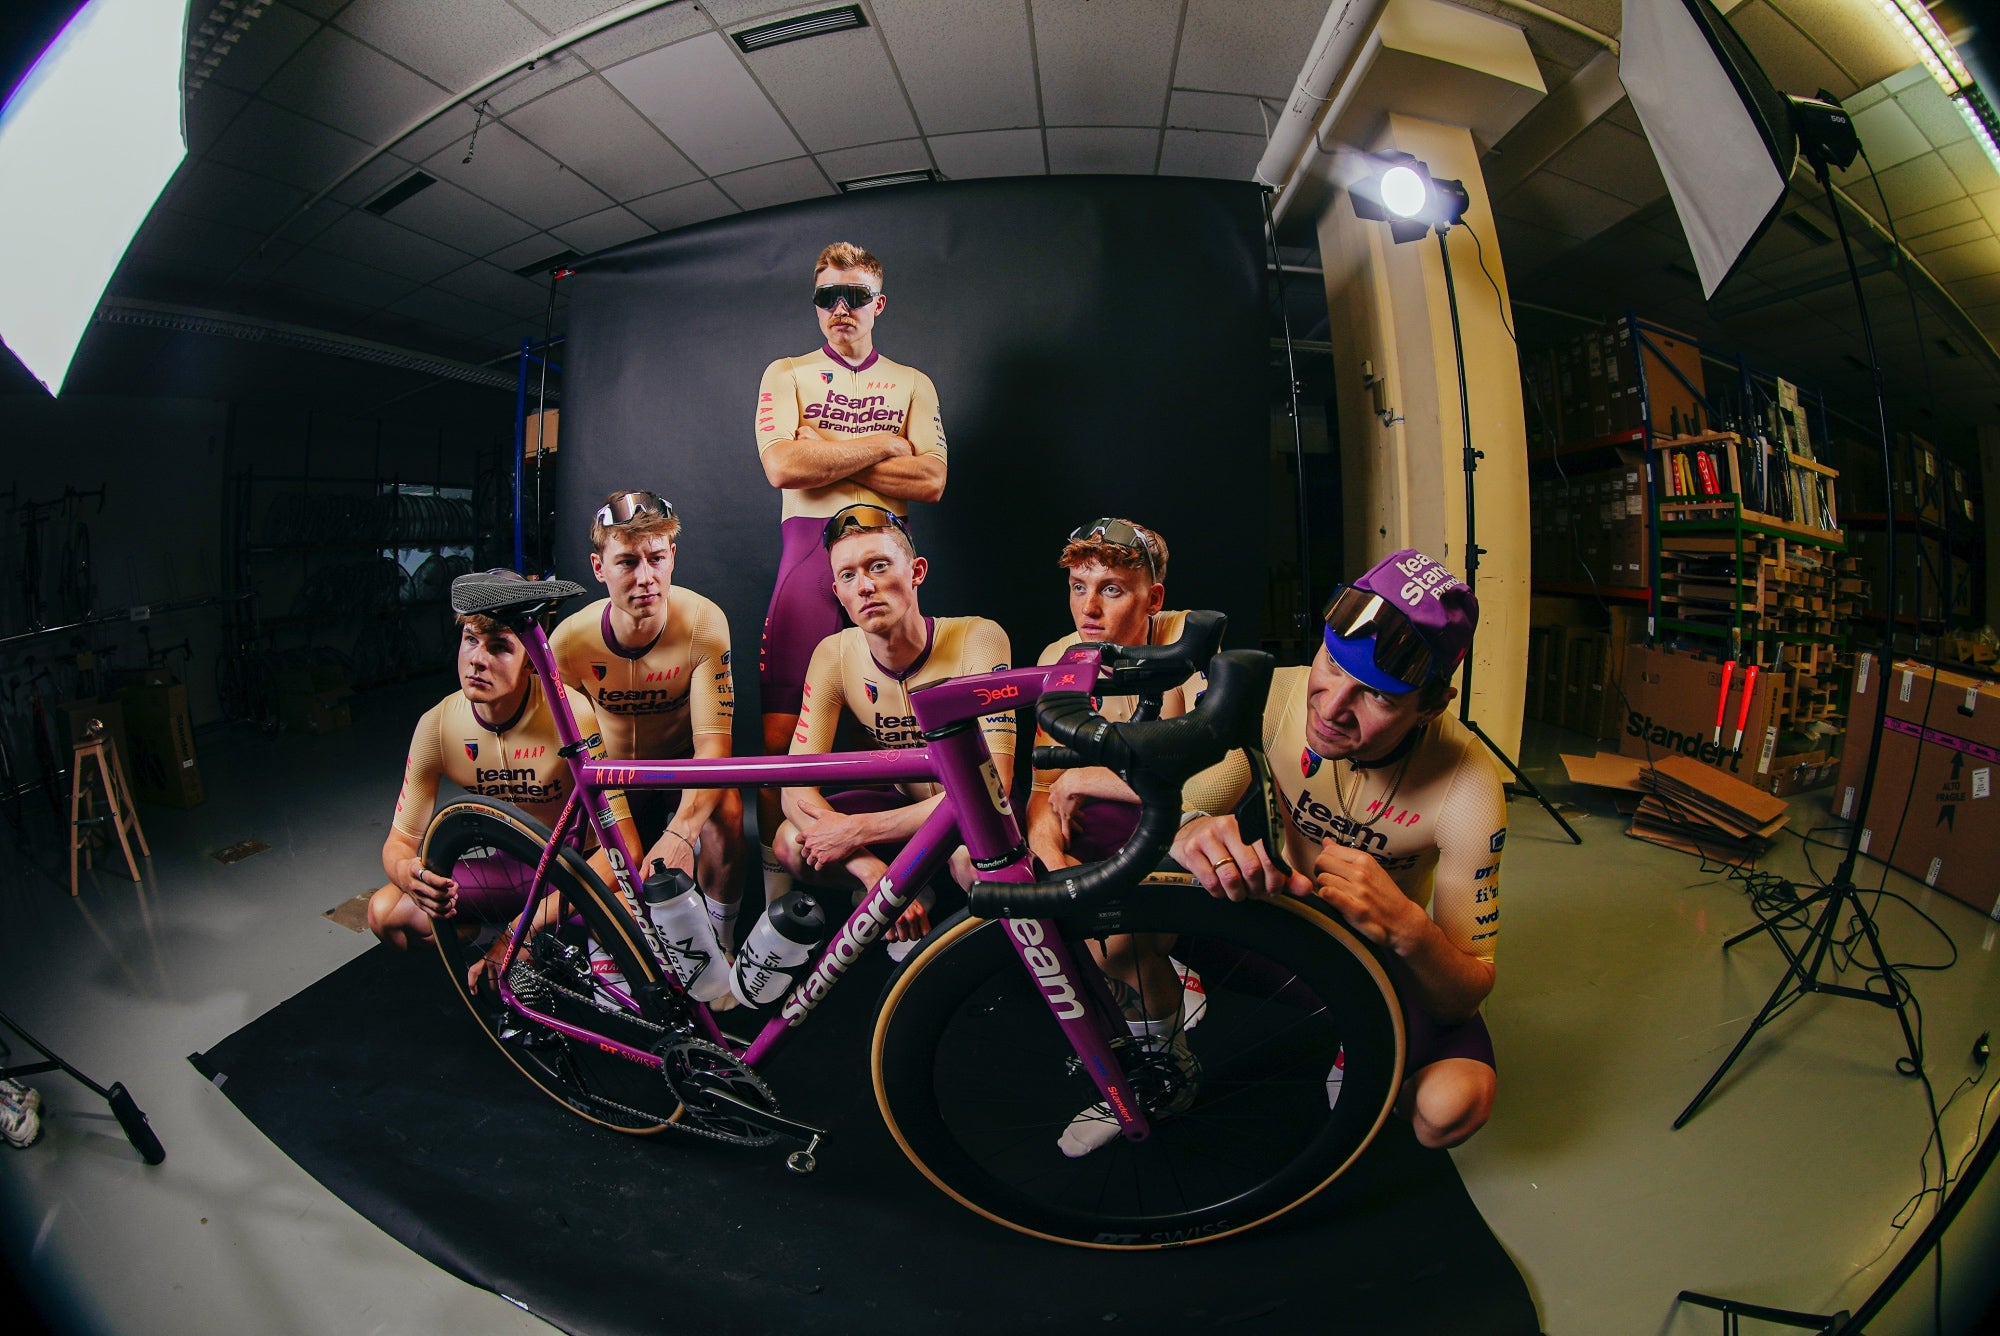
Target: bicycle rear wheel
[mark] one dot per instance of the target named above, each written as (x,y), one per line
(552,972)
(1300,1052)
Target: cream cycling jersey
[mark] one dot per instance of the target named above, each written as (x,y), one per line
(654,699)
(821,395)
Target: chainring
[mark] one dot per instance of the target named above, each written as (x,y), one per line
(695,1067)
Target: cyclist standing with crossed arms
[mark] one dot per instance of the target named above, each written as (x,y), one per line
(838,426)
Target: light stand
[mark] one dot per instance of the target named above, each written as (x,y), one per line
(1827,137)
(1412,202)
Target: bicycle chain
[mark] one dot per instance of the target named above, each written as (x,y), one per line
(687,1039)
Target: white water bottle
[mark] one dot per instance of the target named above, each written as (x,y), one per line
(777,949)
(687,934)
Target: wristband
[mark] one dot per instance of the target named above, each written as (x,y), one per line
(1191,815)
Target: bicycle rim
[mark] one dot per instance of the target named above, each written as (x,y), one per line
(1300,1053)
(622,1095)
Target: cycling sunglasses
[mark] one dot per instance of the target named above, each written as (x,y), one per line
(629,506)
(1119,533)
(861,517)
(856,295)
(1400,651)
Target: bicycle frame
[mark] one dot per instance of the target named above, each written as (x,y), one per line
(976,811)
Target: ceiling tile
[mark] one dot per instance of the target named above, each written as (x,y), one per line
(1934,113)
(337,80)
(703,99)
(1988,203)
(602,231)
(319,9)
(1614,161)
(209,113)
(966,63)
(371,180)
(509,171)
(1104,63)
(656,28)
(1210,153)
(266,44)
(1921,183)
(1094,150)
(455,42)
(525,85)
(203,242)
(1567,206)
(1949,214)
(1231,47)
(689,204)
(1969,163)
(1864,99)
(446,213)
(274,142)
(1890,134)
(732,12)
(527,251)
(1981,290)
(989,153)
(1967,261)
(1793,63)
(837,91)
(1860,38)
(1946,237)
(450,311)
(559,16)
(450,126)
(362,236)
(337,276)
(594,132)
(1217,111)
(904,155)
(775,183)
(495,287)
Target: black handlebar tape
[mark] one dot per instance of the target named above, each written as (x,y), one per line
(1057,758)
(1158,758)
(1137,668)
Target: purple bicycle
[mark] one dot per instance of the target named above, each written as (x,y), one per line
(1001,1027)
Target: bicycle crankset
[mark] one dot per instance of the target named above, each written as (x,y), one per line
(723,1099)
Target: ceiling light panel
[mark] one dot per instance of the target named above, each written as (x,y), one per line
(911,178)
(798,28)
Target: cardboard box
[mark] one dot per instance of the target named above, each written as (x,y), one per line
(162,757)
(1940,748)
(1663,355)
(316,711)
(1671,705)
(541,430)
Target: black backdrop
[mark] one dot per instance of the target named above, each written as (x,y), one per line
(1098,346)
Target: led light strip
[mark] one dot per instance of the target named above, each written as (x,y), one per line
(1921,32)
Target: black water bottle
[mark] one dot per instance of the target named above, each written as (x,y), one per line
(778,949)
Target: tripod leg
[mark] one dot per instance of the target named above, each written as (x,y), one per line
(1523,780)
(1882,968)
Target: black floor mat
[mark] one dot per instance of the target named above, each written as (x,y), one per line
(377,1082)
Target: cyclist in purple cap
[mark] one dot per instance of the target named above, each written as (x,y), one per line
(1397,811)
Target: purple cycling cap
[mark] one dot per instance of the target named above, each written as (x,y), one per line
(1406,622)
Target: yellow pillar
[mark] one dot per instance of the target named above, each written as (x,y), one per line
(1397,392)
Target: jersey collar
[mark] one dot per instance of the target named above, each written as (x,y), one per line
(923,656)
(1403,748)
(611,639)
(862,365)
(508,725)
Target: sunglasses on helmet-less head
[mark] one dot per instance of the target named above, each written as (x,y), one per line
(1120,533)
(856,295)
(1400,650)
(861,517)
(629,506)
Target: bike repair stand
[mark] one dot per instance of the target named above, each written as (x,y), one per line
(1470,462)
(130,1116)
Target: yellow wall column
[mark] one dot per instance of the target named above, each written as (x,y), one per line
(1402,477)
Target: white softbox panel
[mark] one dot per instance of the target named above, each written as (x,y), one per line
(1717,148)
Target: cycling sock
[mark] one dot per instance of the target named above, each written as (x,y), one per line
(723,916)
(1154,1035)
(777,881)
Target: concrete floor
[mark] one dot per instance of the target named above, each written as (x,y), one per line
(1615,1002)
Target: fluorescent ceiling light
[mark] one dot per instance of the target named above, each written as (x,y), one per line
(87,142)
(1941,59)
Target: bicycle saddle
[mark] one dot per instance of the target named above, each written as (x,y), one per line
(504,594)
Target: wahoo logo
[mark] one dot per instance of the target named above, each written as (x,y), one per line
(599,670)
(1309,763)
(1049,976)
(471,751)
(869,687)
(826,376)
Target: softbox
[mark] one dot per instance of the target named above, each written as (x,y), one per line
(1721,131)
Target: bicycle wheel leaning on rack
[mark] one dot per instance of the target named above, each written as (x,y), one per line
(552,972)
(977,1085)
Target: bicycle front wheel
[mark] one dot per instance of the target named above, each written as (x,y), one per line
(491,843)
(1297,1056)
